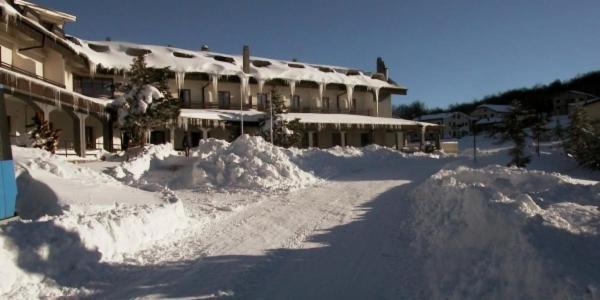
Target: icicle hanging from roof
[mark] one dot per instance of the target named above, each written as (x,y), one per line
(179,80)
(292,84)
(322,87)
(376,92)
(93,68)
(350,92)
(215,85)
(261,84)
(243,88)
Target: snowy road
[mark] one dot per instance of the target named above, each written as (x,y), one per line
(330,240)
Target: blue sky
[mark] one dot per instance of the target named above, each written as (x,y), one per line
(443,51)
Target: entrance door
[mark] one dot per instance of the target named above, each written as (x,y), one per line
(90,139)
(196,137)
(157,137)
(365,139)
(336,139)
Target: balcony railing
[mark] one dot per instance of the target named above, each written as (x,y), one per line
(30,74)
(259,107)
(33,86)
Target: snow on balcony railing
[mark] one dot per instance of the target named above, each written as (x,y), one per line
(58,96)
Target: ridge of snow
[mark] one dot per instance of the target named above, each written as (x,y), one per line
(504,231)
(248,163)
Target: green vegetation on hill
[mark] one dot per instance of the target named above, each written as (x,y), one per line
(537,98)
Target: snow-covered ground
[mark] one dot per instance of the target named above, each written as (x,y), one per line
(249,220)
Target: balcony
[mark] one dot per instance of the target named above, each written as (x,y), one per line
(259,107)
(329,111)
(30,74)
(20,82)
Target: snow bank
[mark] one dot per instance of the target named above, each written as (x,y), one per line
(38,254)
(336,161)
(80,221)
(136,167)
(248,163)
(28,159)
(507,233)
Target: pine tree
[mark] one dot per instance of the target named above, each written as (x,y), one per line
(139,116)
(513,129)
(42,136)
(285,133)
(583,141)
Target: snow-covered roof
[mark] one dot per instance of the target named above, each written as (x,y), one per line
(305,118)
(221,114)
(315,118)
(591,101)
(434,116)
(493,120)
(119,55)
(582,93)
(47,11)
(497,107)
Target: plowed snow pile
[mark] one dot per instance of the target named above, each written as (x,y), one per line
(506,234)
(248,163)
(75,221)
(336,161)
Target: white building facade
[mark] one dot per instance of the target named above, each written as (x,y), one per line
(70,81)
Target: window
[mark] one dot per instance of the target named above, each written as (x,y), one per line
(365,139)
(224,99)
(185,96)
(336,139)
(326,103)
(97,87)
(296,101)
(354,103)
(262,100)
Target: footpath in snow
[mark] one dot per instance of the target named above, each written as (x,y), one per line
(249,220)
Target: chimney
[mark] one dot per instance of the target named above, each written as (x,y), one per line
(246,59)
(382,68)
(204,48)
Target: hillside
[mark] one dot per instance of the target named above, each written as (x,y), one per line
(538,97)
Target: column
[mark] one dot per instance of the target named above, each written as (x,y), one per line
(437,140)
(79,134)
(172,136)
(399,140)
(343,138)
(107,135)
(311,139)
(422,144)
(46,109)
(205,133)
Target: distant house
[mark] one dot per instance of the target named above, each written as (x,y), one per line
(563,103)
(592,109)
(486,115)
(456,124)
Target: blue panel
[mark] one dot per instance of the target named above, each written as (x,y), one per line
(9,188)
(2,192)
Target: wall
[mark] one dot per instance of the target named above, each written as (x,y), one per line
(20,114)
(593,111)
(54,66)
